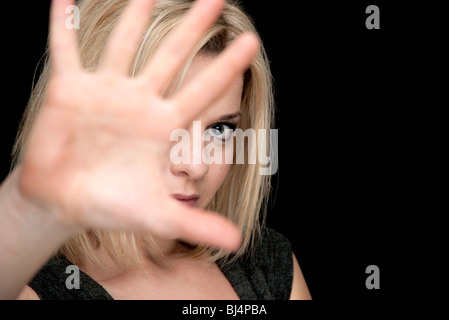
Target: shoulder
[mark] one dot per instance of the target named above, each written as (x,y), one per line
(273,251)
(300,290)
(44,283)
(267,273)
(59,279)
(272,240)
(28,294)
(49,282)
(273,256)
(276,257)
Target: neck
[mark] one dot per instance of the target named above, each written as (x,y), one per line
(148,254)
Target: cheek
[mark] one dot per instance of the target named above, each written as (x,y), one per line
(217,174)
(215,177)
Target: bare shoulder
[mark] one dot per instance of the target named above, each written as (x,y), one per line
(28,294)
(300,291)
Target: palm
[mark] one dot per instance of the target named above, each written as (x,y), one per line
(99,144)
(107,156)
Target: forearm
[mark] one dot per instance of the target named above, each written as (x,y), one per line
(28,238)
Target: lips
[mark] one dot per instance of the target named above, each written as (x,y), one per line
(189,200)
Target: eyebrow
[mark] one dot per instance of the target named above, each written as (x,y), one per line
(230,116)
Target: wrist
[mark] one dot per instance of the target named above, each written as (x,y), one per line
(29,236)
(22,211)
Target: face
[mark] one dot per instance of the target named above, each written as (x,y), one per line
(194,183)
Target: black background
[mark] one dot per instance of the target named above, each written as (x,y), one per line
(339,189)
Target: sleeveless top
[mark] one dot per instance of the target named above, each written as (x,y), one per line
(268,275)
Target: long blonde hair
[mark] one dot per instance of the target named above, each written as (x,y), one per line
(242,196)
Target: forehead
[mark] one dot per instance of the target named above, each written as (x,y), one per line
(230,100)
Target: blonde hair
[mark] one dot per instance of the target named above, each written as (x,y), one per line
(243,194)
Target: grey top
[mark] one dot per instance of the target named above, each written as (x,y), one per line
(268,275)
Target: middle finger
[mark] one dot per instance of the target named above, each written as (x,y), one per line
(174,50)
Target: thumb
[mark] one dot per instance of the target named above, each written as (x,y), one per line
(206,228)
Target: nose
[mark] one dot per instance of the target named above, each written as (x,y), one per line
(192,171)
(194,167)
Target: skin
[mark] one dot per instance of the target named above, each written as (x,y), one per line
(99,159)
(205,179)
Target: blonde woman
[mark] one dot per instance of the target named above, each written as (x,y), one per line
(94,186)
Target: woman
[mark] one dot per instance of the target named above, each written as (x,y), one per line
(95,181)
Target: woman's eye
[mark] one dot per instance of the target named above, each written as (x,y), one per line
(222,131)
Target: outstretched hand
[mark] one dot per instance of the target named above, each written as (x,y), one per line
(97,149)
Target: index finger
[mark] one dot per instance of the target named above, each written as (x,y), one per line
(200,227)
(209,229)
(216,78)
(63,41)
(175,49)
